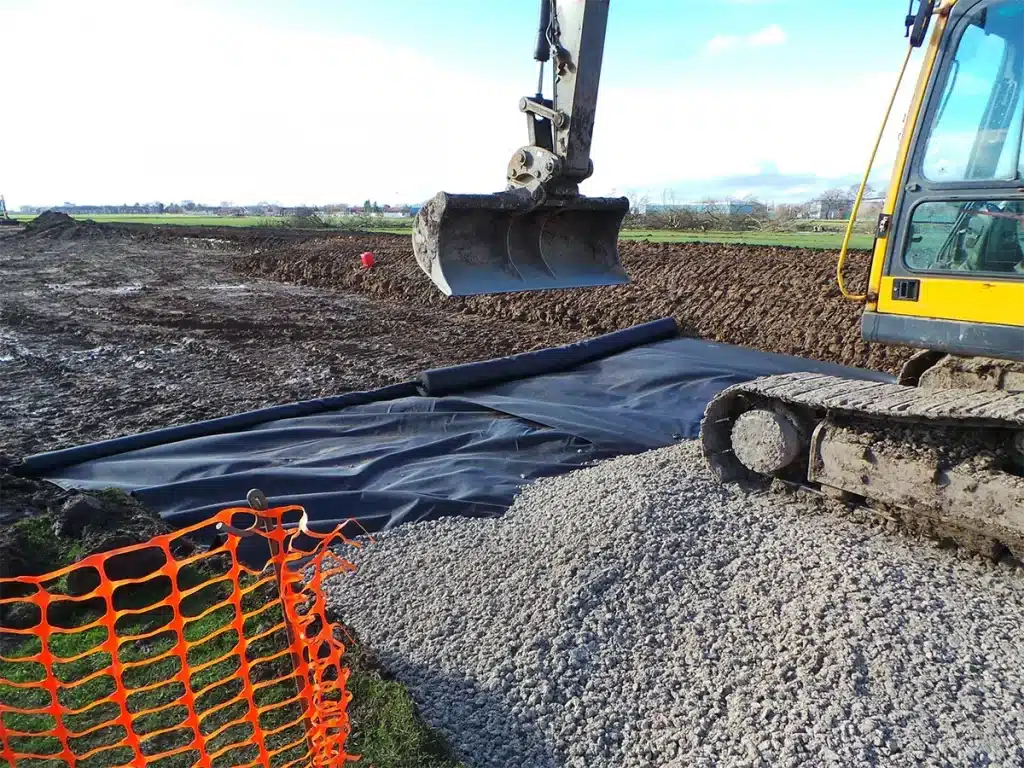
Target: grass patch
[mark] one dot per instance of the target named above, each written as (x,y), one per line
(387,732)
(42,551)
(830,239)
(389,226)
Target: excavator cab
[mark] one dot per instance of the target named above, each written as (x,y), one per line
(942,449)
(539,233)
(948,266)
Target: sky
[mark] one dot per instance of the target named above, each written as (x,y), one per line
(319,101)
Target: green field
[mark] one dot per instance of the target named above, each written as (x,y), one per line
(827,240)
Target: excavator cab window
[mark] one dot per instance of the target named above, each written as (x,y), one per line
(976,133)
(973,149)
(976,236)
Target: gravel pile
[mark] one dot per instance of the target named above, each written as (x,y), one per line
(636,614)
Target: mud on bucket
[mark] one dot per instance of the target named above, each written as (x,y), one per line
(474,244)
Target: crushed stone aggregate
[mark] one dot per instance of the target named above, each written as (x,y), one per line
(635,613)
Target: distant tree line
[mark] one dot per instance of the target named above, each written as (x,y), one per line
(225,208)
(748,213)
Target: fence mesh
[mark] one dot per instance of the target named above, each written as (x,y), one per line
(170,655)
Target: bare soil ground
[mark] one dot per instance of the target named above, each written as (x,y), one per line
(108,330)
(771,298)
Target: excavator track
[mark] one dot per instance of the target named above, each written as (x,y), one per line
(947,461)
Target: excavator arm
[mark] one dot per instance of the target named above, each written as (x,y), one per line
(557,158)
(540,232)
(4,217)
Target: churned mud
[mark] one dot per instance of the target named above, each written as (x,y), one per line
(109,330)
(771,298)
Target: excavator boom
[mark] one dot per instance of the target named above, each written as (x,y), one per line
(4,217)
(539,233)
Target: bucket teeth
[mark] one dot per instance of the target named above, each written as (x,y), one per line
(477,244)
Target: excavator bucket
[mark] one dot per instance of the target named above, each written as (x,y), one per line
(474,244)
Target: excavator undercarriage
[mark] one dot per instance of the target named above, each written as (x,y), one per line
(952,455)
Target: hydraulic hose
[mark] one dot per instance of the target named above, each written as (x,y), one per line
(863,184)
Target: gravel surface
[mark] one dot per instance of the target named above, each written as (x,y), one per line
(636,614)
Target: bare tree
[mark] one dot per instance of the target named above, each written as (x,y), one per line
(746,213)
(869,192)
(785,212)
(675,216)
(634,201)
(756,210)
(637,215)
(710,214)
(835,203)
(640,204)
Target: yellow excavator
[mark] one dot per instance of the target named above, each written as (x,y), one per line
(941,450)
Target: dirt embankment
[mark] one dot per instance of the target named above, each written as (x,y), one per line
(770,298)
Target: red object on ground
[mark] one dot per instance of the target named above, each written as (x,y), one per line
(367,259)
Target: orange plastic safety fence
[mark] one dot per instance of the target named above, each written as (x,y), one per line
(165,654)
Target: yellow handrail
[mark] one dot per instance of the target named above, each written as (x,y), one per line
(864,182)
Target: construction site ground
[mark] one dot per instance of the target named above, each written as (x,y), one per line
(108,330)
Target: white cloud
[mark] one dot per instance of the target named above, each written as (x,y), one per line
(723,43)
(131,103)
(773,34)
(707,130)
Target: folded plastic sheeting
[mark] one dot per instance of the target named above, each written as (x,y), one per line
(394,456)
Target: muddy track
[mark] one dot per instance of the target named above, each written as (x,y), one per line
(107,331)
(770,298)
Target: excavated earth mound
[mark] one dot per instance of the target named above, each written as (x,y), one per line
(44,528)
(57,225)
(770,298)
(48,220)
(76,524)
